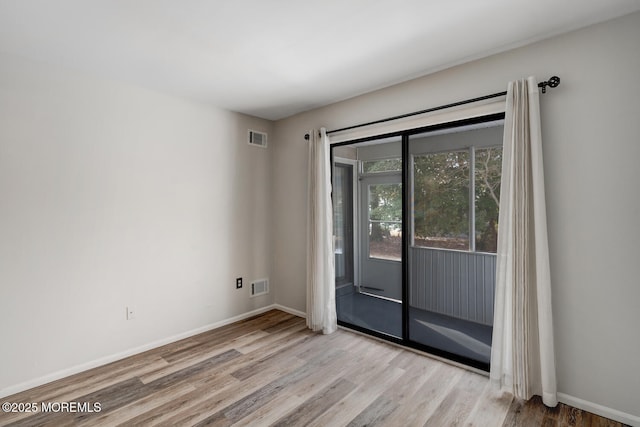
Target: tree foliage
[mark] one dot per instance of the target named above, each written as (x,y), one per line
(441,195)
(385,200)
(488,172)
(441,199)
(441,204)
(385,209)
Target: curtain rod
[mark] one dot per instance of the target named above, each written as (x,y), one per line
(552,82)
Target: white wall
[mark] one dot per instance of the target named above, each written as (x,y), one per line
(112,195)
(591,132)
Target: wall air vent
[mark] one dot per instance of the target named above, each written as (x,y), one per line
(259,287)
(258,138)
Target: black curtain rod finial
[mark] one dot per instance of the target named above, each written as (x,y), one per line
(552,82)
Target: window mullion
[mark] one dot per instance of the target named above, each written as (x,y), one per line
(411,209)
(472,199)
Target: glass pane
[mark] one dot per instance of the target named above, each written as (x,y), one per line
(343,223)
(387,165)
(450,289)
(385,221)
(488,168)
(372,299)
(441,200)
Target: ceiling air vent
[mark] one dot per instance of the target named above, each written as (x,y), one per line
(258,138)
(260,287)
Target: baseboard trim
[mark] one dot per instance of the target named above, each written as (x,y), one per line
(289,310)
(63,373)
(603,411)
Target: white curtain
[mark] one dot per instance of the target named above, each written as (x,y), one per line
(321,299)
(522,355)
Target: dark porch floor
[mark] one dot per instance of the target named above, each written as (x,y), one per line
(457,336)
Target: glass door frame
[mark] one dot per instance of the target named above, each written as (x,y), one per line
(352,165)
(406,238)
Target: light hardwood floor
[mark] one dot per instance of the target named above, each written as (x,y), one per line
(271,370)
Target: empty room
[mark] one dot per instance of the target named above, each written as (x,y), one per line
(279,212)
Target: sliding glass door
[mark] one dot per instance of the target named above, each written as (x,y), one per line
(416,219)
(372,299)
(455,188)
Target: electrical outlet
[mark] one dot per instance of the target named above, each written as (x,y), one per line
(239,283)
(131,312)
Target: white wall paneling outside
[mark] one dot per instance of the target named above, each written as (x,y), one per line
(456,283)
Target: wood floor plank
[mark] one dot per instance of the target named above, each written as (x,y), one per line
(250,365)
(195,404)
(283,324)
(457,405)
(377,413)
(417,409)
(281,354)
(255,368)
(490,408)
(278,351)
(593,420)
(235,330)
(417,371)
(353,404)
(110,397)
(522,414)
(246,405)
(197,356)
(386,409)
(317,404)
(204,403)
(570,416)
(271,370)
(321,342)
(319,379)
(72,387)
(170,348)
(186,373)
(206,348)
(160,413)
(137,407)
(282,335)
(270,413)
(60,420)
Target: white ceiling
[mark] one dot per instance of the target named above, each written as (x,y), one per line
(274,58)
